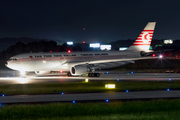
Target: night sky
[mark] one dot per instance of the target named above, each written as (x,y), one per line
(103,20)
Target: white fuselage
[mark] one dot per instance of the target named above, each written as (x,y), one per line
(63,61)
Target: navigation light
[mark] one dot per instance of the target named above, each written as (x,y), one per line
(69,51)
(160,56)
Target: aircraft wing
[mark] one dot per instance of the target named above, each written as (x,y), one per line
(106,62)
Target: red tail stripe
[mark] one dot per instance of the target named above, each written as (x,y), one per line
(148,30)
(140,44)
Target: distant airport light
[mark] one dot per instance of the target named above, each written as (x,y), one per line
(127,91)
(69,43)
(86,80)
(167,89)
(110,86)
(94,45)
(168,41)
(69,51)
(105,47)
(107,100)
(73,101)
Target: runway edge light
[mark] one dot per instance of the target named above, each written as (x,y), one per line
(86,80)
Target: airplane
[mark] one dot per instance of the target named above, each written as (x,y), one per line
(79,63)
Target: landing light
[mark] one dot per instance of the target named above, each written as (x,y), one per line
(110,86)
(22,80)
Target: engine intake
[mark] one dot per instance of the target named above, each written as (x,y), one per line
(78,70)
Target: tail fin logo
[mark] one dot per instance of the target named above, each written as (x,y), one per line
(146,37)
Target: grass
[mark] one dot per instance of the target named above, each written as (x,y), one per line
(92,86)
(154,109)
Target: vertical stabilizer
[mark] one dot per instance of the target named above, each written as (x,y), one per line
(143,41)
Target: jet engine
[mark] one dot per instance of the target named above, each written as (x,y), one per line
(78,70)
(42,72)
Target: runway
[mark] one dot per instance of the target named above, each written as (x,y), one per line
(12,78)
(104,77)
(83,97)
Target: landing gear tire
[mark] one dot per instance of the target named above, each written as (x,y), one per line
(69,74)
(93,75)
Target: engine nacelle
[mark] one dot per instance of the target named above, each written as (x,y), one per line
(42,72)
(78,70)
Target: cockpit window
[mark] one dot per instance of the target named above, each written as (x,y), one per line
(12,59)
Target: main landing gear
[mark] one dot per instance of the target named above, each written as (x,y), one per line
(93,74)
